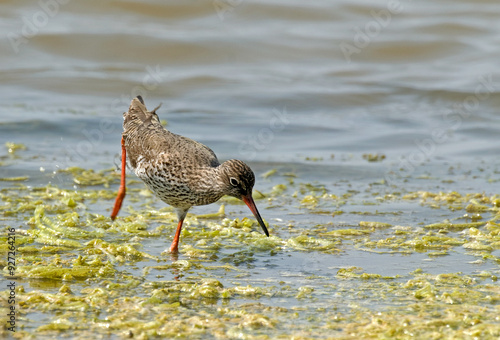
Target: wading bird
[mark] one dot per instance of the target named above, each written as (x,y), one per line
(179,170)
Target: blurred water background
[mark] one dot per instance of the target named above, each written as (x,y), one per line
(407,79)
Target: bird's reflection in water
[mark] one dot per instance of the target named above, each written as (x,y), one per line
(174,257)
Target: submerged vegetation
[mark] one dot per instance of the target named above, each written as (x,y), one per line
(81,275)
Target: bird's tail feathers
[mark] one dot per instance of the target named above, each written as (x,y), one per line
(138,114)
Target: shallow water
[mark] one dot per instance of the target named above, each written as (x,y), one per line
(307,89)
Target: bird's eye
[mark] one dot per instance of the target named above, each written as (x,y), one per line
(234,182)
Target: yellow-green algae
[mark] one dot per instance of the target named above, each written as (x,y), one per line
(14,179)
(87,177)
(91,277)
(12,148)
(374,157)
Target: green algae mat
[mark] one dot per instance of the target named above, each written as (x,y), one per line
(342,262)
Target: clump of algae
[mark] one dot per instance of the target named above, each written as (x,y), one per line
(88,177)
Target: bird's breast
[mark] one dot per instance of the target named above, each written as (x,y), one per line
(177,185)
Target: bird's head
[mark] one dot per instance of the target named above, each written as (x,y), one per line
(238,181)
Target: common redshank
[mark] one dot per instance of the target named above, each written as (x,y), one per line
(180,171)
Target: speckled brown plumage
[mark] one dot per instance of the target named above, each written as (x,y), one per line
(180,171)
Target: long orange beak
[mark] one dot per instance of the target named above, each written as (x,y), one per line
(251,204)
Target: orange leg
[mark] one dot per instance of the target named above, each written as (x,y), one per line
(175,242)
(122,190)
